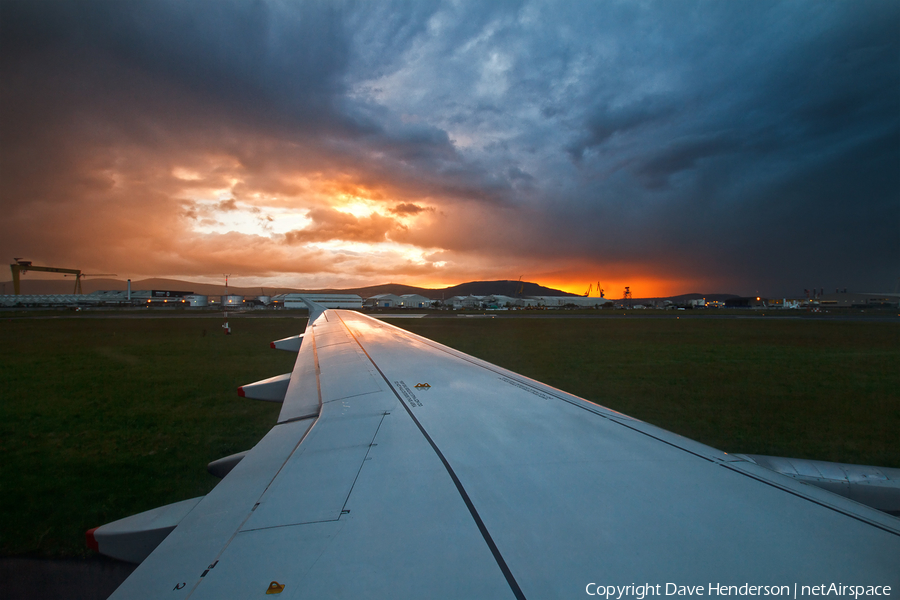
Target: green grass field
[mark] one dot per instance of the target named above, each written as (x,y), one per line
(102,418)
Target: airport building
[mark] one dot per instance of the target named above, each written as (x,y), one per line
(570,301)
(499,301)
(820,301)
(232,301)
(383,301)
(458,302)
(105,298)
(326,300)
(414,301)
(197,300)
(855,300)
(394,301)
(54,301)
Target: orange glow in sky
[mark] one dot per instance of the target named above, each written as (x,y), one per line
(614,289)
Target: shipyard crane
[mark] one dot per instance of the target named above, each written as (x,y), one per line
(23,266)
(600,290)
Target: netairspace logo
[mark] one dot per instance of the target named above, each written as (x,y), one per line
(641,591)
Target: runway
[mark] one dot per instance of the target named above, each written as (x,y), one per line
(92,578)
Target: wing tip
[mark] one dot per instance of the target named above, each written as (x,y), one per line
(241,392)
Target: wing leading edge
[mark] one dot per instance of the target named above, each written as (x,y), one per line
(403,468)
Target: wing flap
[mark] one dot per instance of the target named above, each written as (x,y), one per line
(315,483)
(347,372)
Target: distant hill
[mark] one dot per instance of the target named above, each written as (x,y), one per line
(505,287)
(476,288)
(373,290)
(60,286)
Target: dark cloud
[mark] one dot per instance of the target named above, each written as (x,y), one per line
(682,155)
(406,208)
(251,55)
(227,205)
(604,122)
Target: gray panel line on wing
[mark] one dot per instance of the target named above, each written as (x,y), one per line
(283,525)
(295,419)
(354,396)
(361,464)
(482,528)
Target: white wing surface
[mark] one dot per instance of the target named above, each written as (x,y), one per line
(401,468)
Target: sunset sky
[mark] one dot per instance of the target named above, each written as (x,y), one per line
(671,146)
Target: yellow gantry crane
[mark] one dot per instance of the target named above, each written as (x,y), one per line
(23,266)
(590,289)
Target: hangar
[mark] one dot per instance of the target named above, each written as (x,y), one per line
(414,301)
(858,300)
(384,301)
(326,300)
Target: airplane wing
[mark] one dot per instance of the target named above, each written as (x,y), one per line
(400,468)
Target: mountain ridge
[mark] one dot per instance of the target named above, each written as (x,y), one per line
(476,288)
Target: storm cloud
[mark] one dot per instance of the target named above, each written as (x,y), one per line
(673,147)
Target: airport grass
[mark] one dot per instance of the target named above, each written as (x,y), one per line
(105,417)
(101,418)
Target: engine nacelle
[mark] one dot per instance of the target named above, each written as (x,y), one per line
(223,466)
